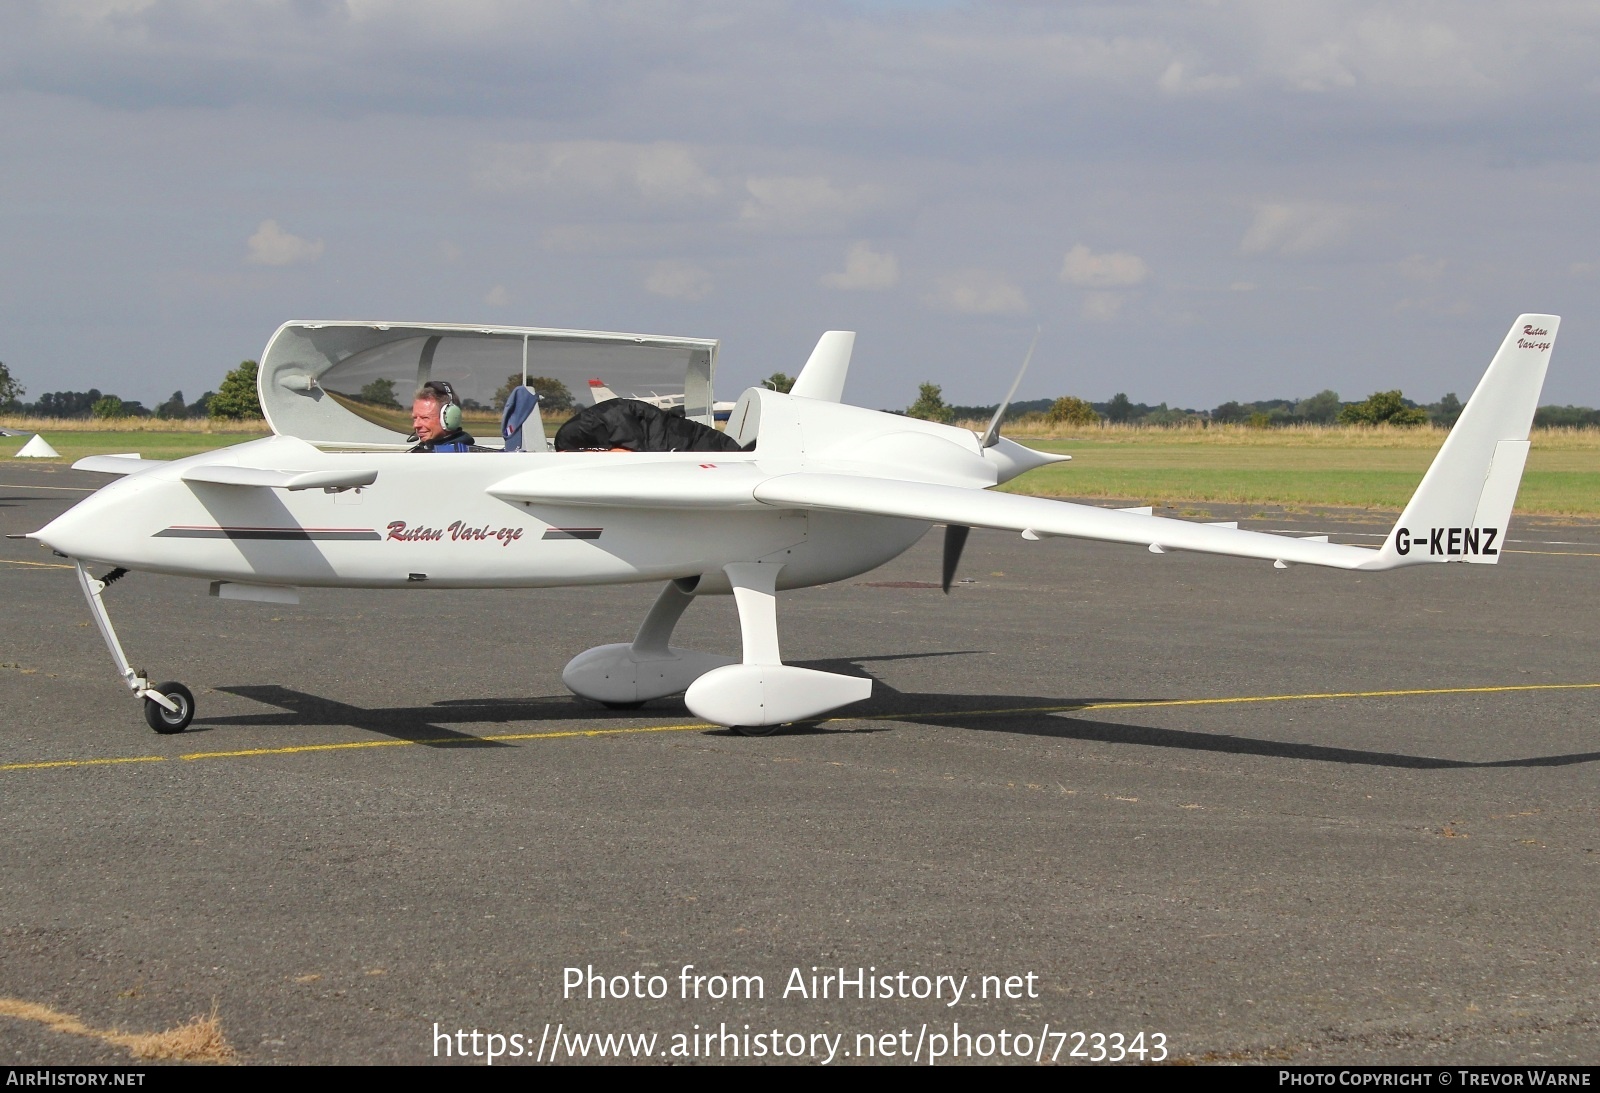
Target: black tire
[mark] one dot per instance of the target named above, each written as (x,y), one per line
(754,730)
(163,720)
(622,705)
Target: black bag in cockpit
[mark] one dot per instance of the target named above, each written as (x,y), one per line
(638,427)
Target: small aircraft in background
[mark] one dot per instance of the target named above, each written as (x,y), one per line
(820,492)
(599,392)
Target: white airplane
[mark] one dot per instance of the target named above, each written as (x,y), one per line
(599,392)
(828,492)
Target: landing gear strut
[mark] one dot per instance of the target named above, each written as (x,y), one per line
(168,707)
(761,692)
(626,676)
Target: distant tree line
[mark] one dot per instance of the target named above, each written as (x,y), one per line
(1572,417)
(1323,408)
(234,400)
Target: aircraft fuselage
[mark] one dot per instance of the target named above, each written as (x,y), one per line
(428,522)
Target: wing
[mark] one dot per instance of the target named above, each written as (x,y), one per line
(116,464)
(228,474)
(1037,517)
(221,474)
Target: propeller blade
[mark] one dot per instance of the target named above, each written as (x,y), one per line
(955,541)
(991,435)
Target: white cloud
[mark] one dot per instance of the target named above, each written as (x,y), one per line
(865,270)
(1317,66)
(1102,307)
(498,296)
(1176,80)
(1297,227)
(657,174)
(1582,269)
(1114,269)
(678,281)
(449,252)
(979,292)
(1420,268)
(272,246)
(807,204)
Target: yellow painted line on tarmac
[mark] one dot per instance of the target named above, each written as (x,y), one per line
(560,734)
(35,565)
(1237,700)
(497,738)
(1348,694)
(68,489)
(84,762)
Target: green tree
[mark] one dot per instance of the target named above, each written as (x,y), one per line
(10,390)
(174,407)
(1383,408)
(554,396)
(1119,409)
(107,406)
(1321,408)
(236,399)
(1446,410)
(930,404)
(380,392)
(1168,417)
(1068,410)
(1565,417)
(780,383)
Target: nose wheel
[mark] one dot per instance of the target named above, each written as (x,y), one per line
(165,720)
(168,707)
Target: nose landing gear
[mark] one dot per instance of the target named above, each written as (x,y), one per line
(168,707)
(165,720)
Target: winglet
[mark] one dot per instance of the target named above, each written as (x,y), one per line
(1460,511)
(824,374)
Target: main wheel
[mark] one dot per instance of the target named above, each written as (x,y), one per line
(754,730)
(167,721)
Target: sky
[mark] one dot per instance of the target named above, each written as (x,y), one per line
(1194,202)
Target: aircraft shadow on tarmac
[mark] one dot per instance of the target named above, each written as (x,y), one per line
(1031,715)
(1026,715)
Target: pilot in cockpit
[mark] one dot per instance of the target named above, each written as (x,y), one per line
(436,420)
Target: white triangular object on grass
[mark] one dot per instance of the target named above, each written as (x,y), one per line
(38,448)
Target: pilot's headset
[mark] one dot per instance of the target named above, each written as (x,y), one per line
(449,408)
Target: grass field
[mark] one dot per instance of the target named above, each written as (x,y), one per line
(1354,467)
(151,438)
(1360,468)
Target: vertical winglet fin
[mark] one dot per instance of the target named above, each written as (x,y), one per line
(1460,511)
(824,374)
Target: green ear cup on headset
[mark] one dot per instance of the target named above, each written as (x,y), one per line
(450,416)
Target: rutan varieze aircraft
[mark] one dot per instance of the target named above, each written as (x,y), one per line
(824,492)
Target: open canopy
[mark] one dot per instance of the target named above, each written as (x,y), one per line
(351,383)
